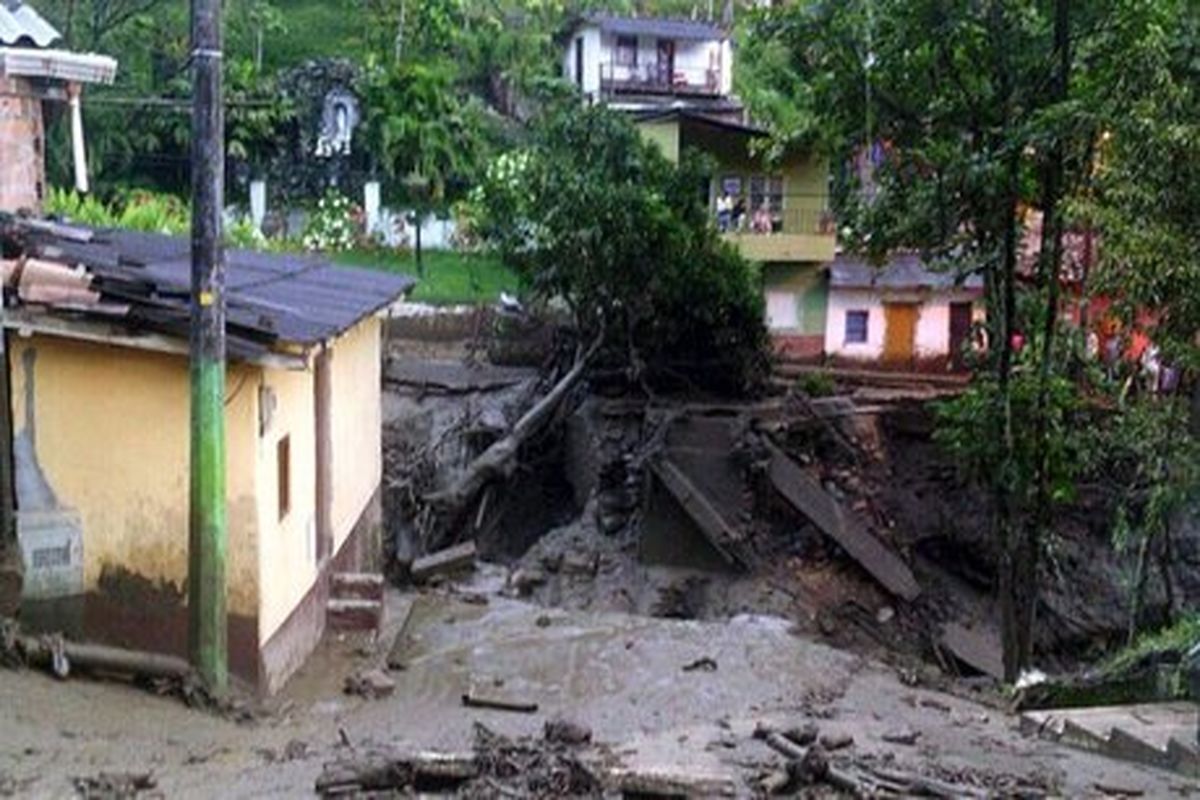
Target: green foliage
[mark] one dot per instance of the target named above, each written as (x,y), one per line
(1175,639)
(972,428)
(591,214)
(137,210)
(817,384)
(422,127)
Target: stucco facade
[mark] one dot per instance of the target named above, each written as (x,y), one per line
(931,336)
(101,440)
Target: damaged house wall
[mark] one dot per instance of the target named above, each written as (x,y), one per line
(107,432)
(22,140)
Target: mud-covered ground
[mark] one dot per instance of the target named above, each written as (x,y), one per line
(621,675)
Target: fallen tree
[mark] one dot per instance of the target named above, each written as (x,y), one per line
(497,462)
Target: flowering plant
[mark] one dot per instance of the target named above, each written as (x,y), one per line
(334,226)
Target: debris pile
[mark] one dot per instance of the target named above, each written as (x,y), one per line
(813,760)
(498,766)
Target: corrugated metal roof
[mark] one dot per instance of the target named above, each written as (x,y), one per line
(655,26)
(21,25)
(271,298)
(901,271)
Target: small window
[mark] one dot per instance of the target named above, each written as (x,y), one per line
(626,51)
(283,465)
(856,327)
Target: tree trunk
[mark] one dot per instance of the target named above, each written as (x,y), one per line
(499,460)
(1050,268)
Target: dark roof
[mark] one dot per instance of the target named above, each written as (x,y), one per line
(655,26)
(690,115)
(270,298)
(20,25)
(901,271)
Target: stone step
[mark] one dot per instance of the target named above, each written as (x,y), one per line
(356,585)
(353,614)
(1159,734)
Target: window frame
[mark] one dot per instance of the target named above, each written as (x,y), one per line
(283,476)
(625,51)
(850,333)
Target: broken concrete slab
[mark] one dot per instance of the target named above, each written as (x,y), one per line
(808,497)
(451,559)
(978,647)
(454,376)
(725,538)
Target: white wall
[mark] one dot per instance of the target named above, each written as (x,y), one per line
(591,59)
(841,301)
(693,58)
(932,336)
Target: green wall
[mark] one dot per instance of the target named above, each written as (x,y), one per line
(809,283)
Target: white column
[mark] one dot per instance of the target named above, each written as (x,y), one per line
(258,203)
(371,206)
(77,148)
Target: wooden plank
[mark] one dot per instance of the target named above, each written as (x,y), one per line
(811,500)
(448,560)
(724,538)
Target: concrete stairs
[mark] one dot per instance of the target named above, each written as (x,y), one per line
(355,601)
(1158,734)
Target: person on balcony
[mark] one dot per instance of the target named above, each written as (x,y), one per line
(724,212)
(761,222)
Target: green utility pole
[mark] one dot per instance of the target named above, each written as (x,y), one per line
(206,522)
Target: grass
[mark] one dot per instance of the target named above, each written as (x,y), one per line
(451,277)
(1178,638)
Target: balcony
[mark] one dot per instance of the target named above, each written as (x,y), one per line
(657,79)
(802,230)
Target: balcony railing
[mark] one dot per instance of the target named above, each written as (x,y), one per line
(799,214)
(654,78)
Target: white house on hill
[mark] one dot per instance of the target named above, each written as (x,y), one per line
(632,63)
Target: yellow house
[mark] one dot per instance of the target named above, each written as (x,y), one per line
(98,373)
(775,212)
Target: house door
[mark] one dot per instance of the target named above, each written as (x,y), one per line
(899,333)
(960,331)
(579,61)
(666,62)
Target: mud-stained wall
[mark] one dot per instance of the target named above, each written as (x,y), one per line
(288,564)
(102,431)
(356,425)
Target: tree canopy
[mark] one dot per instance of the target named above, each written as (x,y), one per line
(592,214)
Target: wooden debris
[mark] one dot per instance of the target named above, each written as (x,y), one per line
(704,664)
(379,771)
(395,659)
(108,785)
(856,775)
(473,700)
(499,460)
(371,684)
(810,499)
(452,558)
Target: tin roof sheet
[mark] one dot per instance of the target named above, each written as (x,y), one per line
(20,24)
